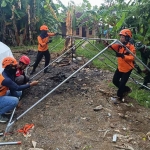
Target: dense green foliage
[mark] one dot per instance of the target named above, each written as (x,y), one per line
(20,19)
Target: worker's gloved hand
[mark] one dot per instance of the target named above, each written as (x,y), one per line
(33,83)
(127,53)
(120,55)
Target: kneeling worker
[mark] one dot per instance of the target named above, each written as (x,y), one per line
(21,77)
(9,90)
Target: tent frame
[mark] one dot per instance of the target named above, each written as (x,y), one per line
(83,39)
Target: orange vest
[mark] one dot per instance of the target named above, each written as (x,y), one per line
(3,89)
(125,64)
(43,43)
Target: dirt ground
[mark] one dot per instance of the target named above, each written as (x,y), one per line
(67,119)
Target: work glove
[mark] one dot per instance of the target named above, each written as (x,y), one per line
(127,53)
(120,55)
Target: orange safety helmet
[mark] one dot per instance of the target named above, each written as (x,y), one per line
(25,59)
(9,61)
(44,27)
(126,32)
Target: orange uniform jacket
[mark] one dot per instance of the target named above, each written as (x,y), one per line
(3,89)
(125,64)
(43,43)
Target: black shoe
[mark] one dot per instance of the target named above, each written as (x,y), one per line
(3,119)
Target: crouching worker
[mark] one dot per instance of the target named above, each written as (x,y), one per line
(125,65)
(21,77)
(9,90)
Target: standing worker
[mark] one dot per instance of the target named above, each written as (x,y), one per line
(10,92)
(43,40)
(125,65)
(145,55)
(21,77)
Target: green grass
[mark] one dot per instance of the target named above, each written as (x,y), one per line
(57,44)
(141,96)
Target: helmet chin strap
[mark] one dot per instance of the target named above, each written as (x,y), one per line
(127,39)
(125,43)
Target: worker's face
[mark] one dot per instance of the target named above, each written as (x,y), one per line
(122,39)
(12,69)
(22,66)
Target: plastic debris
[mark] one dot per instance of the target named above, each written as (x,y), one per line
(34,146)
(114,138)
(109,114)
(26,130)
(97,108)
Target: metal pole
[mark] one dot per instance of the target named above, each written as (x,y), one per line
(60,84)
(7,127)
(56,59)
(10,143)
(78,37)
(111,60)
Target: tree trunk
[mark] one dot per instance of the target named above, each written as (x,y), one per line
(68,42)
(15,26)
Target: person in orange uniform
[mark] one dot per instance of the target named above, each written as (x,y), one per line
(125,64)
(43,40)
(10,92)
